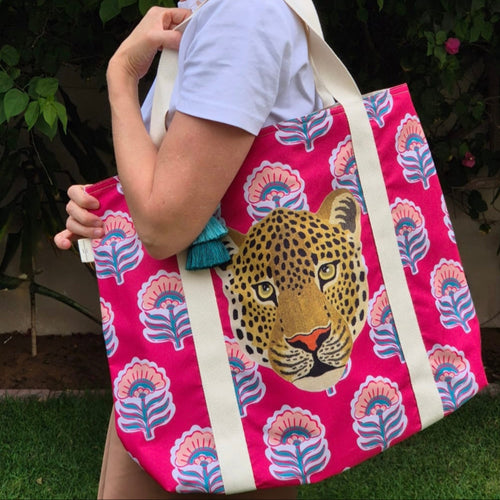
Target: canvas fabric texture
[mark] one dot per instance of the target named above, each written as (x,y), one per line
(319,376)
(342,325)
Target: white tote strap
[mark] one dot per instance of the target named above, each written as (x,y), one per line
(168,64)
(215,371)
(341,85)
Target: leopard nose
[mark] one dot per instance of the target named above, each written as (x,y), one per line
(310,342)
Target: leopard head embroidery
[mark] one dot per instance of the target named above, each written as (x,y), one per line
(297,290)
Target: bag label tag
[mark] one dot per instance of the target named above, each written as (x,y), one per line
(85,248)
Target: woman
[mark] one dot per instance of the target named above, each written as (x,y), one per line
(242,65)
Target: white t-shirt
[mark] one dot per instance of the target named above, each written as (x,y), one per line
(244,63)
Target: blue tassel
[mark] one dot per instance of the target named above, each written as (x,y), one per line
(208,250)
(214,230)
(207,255)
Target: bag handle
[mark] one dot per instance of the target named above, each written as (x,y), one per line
(168,64)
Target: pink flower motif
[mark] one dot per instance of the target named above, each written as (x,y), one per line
(238,360)
(117,226)
(106,312)
(452,46)
(292,427)
(375,397)
(345,162)
(196,448)
(272,183)
(406,217)
(469,160)
(162,291)
(139,380)
(447,278)
(381,310)
(446,363)
(410,135)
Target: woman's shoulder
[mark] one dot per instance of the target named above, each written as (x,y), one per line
(249,12)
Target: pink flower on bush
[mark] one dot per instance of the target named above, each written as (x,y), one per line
(452,46)
(469,160)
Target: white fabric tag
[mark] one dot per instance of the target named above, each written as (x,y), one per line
(85,248)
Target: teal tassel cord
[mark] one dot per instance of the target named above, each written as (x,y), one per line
(214,230)
(207,255)
(208,250)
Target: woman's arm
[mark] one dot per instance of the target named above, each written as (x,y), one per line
(171,191)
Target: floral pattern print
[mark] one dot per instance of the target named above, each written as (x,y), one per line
(163,309)
(296,445)
(271,186)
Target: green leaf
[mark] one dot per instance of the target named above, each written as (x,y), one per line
(463,148)
(9,55)
(48,111)
(487,31)
(478,110)
(32,87)
(14,73)
(380,4)
(477,28)
(15,102)
(49,130)
(6,82)
(461,29)
(31,114)
(431,42)
(61,114)
(441,37)
(46,87)
(440,54)
(108,10)
(126,3)
(145,5)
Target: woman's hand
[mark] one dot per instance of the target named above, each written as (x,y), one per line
(155,32)
(80,222)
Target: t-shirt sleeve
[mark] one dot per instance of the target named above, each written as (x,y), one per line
(234,62)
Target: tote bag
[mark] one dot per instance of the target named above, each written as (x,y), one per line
(342,324)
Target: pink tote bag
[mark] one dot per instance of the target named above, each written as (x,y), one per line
(342,325)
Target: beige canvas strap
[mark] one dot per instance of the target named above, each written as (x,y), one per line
(215,372)
(339,82)
(334,79)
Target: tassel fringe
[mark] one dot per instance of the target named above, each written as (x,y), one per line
(208,250)
(214,230)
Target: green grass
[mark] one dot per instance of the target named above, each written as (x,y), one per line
(456,458)
(53,449)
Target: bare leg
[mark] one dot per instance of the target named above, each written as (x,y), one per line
(121,478)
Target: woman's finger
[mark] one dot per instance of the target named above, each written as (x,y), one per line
(77,194)
(64,239)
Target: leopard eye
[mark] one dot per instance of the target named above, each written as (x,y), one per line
(265,291)
(327,272)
